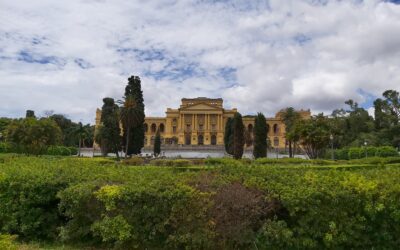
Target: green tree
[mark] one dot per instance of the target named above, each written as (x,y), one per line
(109,133)
(157,144)
(238,136)
(4,122)
(81,132)
(30,114)
(290,118)
(260,136)
(134,93)
(228,136)
(129,116)
(314,135)
(33,136)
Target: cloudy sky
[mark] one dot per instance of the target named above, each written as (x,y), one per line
(257,55)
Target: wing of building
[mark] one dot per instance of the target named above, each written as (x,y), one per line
(201,121)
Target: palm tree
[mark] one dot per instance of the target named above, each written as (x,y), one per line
(82,132)
(290,117)
(129,117)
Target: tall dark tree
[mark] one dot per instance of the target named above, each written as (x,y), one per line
(157,144)
(109,132)
(30,114)
(228,136)
(136,130)
(238,136)
(290,117)
(260,136)
(129,117)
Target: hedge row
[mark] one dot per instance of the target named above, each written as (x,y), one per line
(52,150)
(365,152)
(97,202)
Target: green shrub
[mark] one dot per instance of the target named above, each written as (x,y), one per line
(74,150)
(355,153)
(342,154)
(134,161)
(386,151)
(7,242)
(58,150)
(198,162)
(157,162)
(5,147)
(181,163)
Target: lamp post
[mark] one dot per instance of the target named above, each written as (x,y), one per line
(366,151)
(333,154)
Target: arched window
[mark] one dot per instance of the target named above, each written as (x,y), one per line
(250,128)
(153,128)
(276,128)
(200,140)
(213,140)
(276,142)
(146,127)
(161,127)
(267,128)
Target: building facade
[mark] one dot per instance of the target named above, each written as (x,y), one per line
(201,121)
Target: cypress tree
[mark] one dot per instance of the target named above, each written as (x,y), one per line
(238,136)
(136,131)
(260,136)
(228,136)
(109,135)
(157,144)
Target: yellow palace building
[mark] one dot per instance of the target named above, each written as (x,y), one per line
(201,121)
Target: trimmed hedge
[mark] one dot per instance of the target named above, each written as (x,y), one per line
(97,202)
(362,152)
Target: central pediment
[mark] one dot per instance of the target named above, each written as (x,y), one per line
(200,106)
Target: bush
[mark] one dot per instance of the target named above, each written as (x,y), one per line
(181,163)
(7,242)
(58,150)
(342,154)
(74,150)
(134,161)
(158,162)
(5,147)
(355,153)
(386,151)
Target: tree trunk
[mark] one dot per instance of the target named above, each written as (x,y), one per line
(127,142)
(290,149)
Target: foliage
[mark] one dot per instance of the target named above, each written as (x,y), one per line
(132,115)
(228,136)
(5,147)
(290,117)
(58,150)
(314,135)
(33,136)
(157,144)
(69,129)
(30,114)
(272,204)
(363,152)
(260,136)
(134,161)
(109,132)
(7,242)
(238,136)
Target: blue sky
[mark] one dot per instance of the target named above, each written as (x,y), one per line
(260,56)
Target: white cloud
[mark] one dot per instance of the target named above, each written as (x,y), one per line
(257,55)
